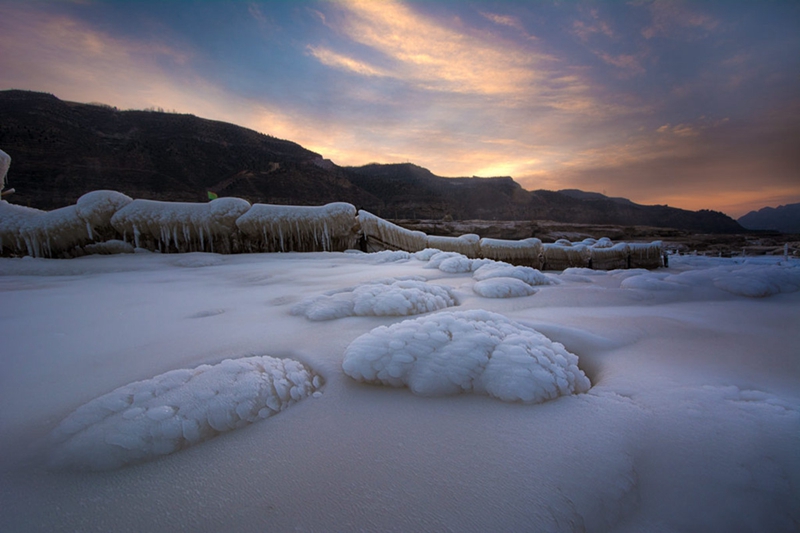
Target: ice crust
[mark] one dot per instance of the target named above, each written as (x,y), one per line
(180,408)
(469,351)
(282,228)
(382,298)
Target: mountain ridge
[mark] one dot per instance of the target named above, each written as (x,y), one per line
(61,150)
(784,218)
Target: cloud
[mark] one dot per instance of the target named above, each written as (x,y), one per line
(627,62)
(591,26)
(333,59)
(670,18)
(434,57)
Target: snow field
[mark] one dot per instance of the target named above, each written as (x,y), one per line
(691,423)
(471,351)
(180,408)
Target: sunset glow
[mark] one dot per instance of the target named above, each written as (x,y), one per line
(690,104)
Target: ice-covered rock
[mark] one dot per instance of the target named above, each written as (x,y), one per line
(560,256)
(502,288)
(645,255)
(468,245)
(471,351)
(172,411)
(12,219)
(609,257)
(388,235)
(284,228)
(524,252)
(96,208)
(382,298)
(180,226)
(5,163)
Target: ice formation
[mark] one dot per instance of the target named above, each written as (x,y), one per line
(96,208)
(523,252)
(645,255)
(56,233)
(382,298)
(159,416)
(608,257)
(562,256)
(390,235)
(529,275)
(468,245)
(12,219)
(5,162)
(502,288)
(471,351)
(180,226)
(283,228)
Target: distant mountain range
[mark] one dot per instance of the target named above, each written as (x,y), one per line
(61,150)
(785,218)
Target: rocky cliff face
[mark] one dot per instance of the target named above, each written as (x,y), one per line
(62,150)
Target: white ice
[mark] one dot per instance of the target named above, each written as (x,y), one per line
(383,298)
(177,409)
(466,351)
(502,287)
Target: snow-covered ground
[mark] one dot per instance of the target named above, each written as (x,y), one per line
(692,421)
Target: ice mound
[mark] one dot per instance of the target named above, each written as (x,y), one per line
(502,288)
(529,275)
(382,298)
(470,351)
(285,228)
(438,258)
(96,208)
(180,226)
(426,254)
(389,256)
(172,411)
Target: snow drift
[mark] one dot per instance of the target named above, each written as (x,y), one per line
(177,409)
(471,351)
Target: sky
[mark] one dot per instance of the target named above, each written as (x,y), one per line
(688,104)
